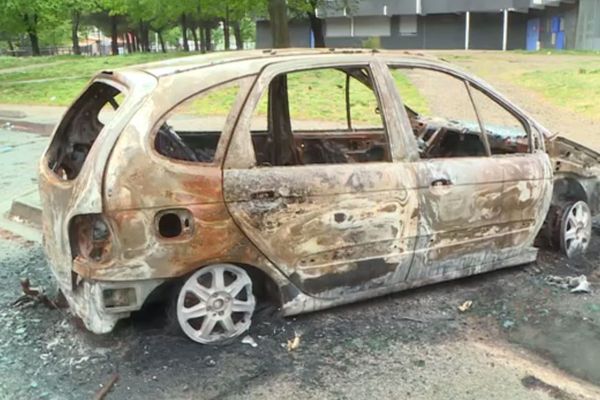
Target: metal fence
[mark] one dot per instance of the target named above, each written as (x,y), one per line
(90,50)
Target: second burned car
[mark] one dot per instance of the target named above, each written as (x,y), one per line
(317,178)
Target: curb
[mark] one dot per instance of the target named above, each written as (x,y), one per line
(25,213)
(44,129)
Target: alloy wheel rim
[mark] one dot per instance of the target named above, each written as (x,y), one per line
(216,303)
(577,229)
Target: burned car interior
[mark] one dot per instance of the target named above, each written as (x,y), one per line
(448,117)
(288,136)
(284,139)
(80,128)
(294,138)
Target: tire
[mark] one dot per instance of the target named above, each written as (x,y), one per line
(215,304)
(575,230)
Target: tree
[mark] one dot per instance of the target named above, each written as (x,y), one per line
(27,16)
(76,9)
(309,7)
(114,10)
(316,24)
(278,16)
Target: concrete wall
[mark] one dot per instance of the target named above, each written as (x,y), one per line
(588,25)
(405,7)
(435,31)
(369,8)
(299,34)
(460,6)
(447,31)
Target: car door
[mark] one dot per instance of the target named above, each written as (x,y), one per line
(463,226)
(527,171)
(318,191)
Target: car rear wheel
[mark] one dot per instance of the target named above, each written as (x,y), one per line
(215,304)
(575,229)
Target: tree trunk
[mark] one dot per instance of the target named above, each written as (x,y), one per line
(186,47)
(134,42)
(202,40)
(128,43)
(162,41)
(316,26)
(237,32)
(74,32)
(195,38)
(226,29)
(35,44)
(11,47)
(208,39)
(279,23)
(114,45)
(144,36)
(32,33)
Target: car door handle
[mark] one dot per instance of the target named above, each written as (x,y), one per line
(441,182)
(263,195)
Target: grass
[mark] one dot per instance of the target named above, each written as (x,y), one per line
(61,78)
(576,88)
(410,94)
(553,52)
(15,62)
(317,95)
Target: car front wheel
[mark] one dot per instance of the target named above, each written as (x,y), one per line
(575,229)
(215,304)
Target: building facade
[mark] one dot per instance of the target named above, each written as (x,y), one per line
(452,24)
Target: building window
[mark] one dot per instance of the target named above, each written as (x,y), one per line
(372,26)
(338,27)
(408,25)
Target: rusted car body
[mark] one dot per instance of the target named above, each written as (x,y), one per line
(120,219)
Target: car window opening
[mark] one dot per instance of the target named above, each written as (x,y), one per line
(80,128)
(448,116)
(192,130)
(320,116)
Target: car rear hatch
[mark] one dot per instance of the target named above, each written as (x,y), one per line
(72,167)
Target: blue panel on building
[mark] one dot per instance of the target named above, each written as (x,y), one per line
(560,40)
(555,24)
(533,34)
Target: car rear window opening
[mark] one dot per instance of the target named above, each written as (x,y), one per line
(80,127)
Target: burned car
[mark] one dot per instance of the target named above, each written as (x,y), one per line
(313,178)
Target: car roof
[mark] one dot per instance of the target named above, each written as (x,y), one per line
(260,58)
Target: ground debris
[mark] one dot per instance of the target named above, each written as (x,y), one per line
(101,394)
(465,306)
(577,284)
(533,383)
(249,340)
(294,343)
(33,295)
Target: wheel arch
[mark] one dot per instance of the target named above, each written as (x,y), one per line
(568,189)
(272,286)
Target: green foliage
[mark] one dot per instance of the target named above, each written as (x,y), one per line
(58,79)
(373,42)
(52,20)
(409,93)
(576,88)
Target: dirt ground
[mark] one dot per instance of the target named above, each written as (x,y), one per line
(521,339)
(502,70)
